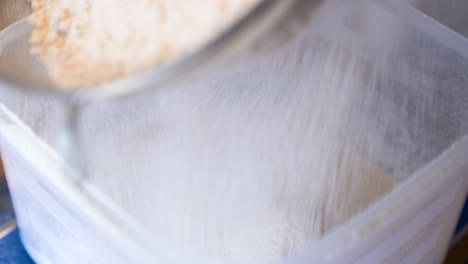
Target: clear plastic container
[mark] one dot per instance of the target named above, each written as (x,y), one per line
(411,104)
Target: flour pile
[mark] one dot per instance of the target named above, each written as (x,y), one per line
(88,42)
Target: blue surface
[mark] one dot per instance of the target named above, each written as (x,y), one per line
(12,251)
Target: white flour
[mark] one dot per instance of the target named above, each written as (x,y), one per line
(244,168)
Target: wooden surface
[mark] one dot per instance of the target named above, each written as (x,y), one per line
(459,253)
(1,169)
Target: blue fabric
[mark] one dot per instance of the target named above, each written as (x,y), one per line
(12,250)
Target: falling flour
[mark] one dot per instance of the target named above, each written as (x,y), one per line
(87,42)
(245,168)
(214,194)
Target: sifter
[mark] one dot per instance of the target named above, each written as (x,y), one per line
(266,26)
